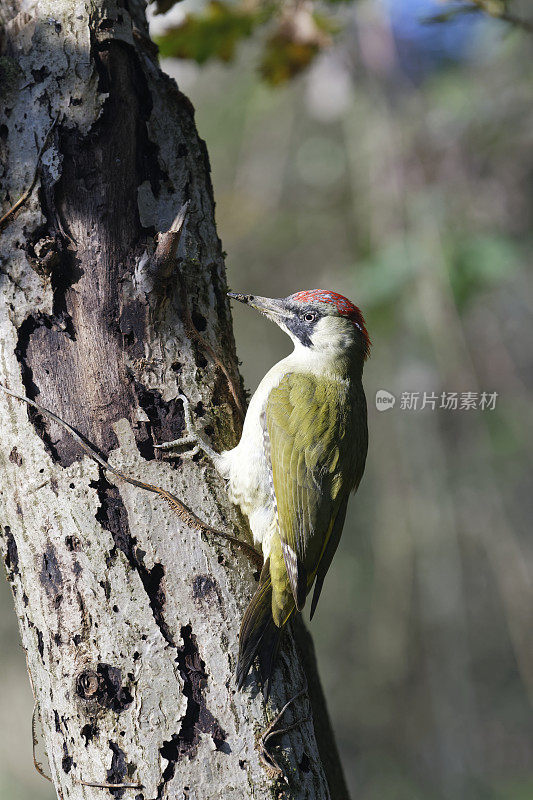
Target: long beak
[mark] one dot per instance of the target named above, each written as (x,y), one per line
(272,308)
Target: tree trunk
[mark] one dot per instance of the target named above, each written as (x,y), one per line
(128,617)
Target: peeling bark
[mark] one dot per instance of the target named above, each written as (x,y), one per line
(129,619)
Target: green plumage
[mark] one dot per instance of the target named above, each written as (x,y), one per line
(310,423)
(316,439)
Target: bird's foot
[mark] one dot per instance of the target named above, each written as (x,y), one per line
(265,753)
(193,439)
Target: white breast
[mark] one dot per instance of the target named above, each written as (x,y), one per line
(247,468)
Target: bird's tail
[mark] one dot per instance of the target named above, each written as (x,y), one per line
(259,635)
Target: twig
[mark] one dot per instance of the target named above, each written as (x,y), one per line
(96,785)
(165,259)
(34,739)
(266,756)
(191,330)
(22,199)
(503,14)
(35,742)
(481,6)
(183,511)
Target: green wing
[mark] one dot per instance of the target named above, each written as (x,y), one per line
(315,464)
(327,555)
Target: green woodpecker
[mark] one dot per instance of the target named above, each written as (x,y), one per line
(302,451)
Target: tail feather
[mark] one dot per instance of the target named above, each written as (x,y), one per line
(259,636)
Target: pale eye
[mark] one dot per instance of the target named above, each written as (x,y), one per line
(310,317)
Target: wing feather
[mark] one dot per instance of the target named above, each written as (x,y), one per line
(313,468)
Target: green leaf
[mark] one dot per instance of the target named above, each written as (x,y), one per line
(214,33)
(283,59)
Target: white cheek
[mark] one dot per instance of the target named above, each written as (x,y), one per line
(331,333)
(323,332)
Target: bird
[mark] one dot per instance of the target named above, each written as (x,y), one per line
(301,453)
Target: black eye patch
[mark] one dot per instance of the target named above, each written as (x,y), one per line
(302,325)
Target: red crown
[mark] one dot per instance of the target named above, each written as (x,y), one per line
(344,306)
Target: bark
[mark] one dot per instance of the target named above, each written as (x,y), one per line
(129,618)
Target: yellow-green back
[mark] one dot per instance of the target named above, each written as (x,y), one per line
(315,428)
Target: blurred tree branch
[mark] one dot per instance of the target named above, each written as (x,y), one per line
(497,9)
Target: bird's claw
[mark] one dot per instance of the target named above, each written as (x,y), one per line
(192,436)
(187,416)
(176,444)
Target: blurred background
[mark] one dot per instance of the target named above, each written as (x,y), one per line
(396,169)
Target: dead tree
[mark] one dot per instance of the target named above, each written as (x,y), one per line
(128,614)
